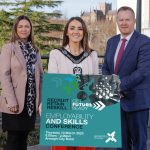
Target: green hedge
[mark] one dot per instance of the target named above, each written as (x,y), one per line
(33,138)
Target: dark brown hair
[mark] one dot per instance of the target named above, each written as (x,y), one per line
(125,8)
(84,41)
(15,36)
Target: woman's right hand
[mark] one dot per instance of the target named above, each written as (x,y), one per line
(14,109)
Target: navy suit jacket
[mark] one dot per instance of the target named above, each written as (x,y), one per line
(133,71)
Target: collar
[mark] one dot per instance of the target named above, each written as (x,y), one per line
(128,37)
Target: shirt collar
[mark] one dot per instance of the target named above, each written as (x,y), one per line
(128,37)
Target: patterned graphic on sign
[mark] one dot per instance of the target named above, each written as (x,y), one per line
(105,90)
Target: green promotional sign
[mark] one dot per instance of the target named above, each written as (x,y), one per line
(80,110)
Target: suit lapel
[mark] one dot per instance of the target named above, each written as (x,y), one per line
(128,49)
(19,55)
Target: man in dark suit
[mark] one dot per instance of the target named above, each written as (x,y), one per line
(128,56)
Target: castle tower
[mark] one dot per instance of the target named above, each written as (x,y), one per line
(105,7)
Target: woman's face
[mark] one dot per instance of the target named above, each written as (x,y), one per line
(75,31)
(23,29)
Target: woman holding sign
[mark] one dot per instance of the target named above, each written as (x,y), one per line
(20,72)
(74,57)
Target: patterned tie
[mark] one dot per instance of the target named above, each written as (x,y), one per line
(120,53)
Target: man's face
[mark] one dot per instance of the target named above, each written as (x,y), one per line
(126,22)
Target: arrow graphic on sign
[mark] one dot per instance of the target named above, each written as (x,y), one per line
(98,105)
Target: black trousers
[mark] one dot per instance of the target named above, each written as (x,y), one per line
(17,140)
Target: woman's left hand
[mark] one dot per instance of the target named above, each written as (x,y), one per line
(40,109)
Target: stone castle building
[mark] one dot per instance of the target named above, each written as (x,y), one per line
(103,13)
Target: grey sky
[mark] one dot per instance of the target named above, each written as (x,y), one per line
(70,8)
(73,7)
